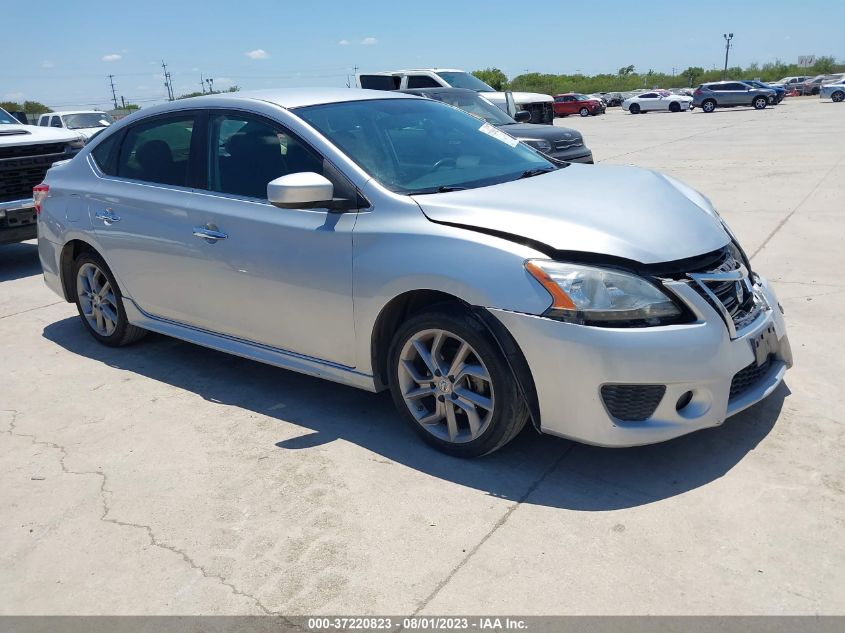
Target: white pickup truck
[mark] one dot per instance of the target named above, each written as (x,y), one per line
(26,153)
(538,105)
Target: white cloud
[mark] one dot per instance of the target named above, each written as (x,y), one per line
(343,43)
(258,53)
(47,64)
(113,57)
(369,41)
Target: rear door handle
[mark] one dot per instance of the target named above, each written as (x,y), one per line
(108,217)
(209,233)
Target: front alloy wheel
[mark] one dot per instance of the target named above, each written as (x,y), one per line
(838,96)
(584,112)
(450,380)
(760,103)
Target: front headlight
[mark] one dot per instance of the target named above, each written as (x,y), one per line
(77,144)
(543,146)
(600,296)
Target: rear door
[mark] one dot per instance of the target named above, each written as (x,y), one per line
(141,214)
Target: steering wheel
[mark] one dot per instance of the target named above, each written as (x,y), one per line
(444,162)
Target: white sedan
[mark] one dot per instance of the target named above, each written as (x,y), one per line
(657,100)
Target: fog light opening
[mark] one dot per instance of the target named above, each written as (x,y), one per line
(683,401)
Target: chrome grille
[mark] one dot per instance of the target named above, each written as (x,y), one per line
(729,289)
(568,144)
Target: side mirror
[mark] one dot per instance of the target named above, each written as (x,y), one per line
(300,191)
(523,116)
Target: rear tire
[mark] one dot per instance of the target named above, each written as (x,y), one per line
(449,380)
(634,108)
(709,105)
(100,303)
(838,96)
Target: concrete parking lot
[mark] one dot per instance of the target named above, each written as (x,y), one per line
(166,478)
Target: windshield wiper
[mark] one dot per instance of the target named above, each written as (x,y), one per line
(535,172)
(448,188)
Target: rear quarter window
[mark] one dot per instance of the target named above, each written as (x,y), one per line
(105,154)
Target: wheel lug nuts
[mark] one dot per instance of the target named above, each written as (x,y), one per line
(437,373)
(441,398)
(451,379)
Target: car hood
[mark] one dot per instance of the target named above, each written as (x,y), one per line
(13,135)
(618,211)
(540,131)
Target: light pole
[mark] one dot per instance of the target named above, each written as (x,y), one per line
(728,37)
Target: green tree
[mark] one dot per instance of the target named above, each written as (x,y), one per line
(824,65)
(493,77)
(30,107)
(692,74)
(626,70)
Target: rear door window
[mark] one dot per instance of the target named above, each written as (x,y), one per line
(422,81)
(158,151)
(379,82)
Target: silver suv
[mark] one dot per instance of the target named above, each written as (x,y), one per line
(730,94)
(387,241)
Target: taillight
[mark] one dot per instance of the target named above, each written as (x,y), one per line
(697,92)
(39,193)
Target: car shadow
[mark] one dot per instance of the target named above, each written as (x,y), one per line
(576,476)
(19,260)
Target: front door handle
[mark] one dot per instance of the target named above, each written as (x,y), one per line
(209,233)
(108,217)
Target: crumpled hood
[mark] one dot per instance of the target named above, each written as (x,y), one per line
(624,212)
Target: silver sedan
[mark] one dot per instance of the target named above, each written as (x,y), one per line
(391,242)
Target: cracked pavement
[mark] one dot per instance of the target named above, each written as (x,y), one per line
(165,478)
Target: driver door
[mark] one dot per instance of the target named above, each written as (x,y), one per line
(278,277)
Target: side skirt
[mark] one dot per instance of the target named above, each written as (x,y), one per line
(251,350)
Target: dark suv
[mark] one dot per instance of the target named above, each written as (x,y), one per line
(730,94)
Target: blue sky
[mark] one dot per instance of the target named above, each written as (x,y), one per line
(63,51)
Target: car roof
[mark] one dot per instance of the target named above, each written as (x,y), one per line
(288,98)
(439,89)
(64,112)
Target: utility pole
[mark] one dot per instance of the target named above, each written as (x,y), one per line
(122,102)
(113,95)
(210,84)
(728,37)
(202,84)
(167,83)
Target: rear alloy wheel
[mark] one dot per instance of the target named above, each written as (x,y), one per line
(100,303)
(584,112)
(674,107)
(760,103)
(709,105)
(838,96)
(634,108)
(453,385)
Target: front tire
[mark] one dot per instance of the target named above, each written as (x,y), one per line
(674,107)
(838,96)
(100,303)
(449,380)
(760,103)
(584,112)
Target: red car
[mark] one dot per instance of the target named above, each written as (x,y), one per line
(574,103)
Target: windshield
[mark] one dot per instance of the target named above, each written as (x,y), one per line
(582,97)
(87,119)
(422,146)
(460,79)
(476,105)
(7,118)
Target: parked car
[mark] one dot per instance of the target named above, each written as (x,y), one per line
(574,103)
(26,153)
(790,83)
(491,285)
(834,91)
(656,100)
(85,122)
(813,86)
(780,92)
(538,105)
(729,94)
(614,99)
(560,143)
